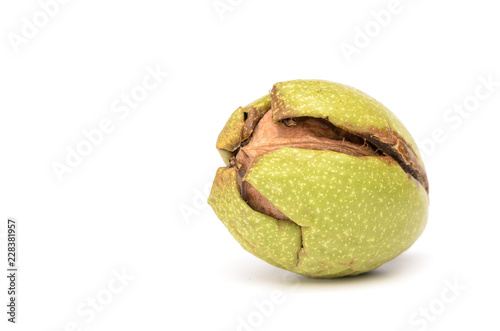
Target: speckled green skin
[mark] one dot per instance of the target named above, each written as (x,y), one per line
(349,214)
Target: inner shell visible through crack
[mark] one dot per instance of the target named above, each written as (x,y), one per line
(302,132)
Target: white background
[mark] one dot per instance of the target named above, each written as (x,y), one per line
(123,208)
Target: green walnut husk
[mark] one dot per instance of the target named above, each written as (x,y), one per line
(320,179)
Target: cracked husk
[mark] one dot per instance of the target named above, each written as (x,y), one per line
(321,180)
